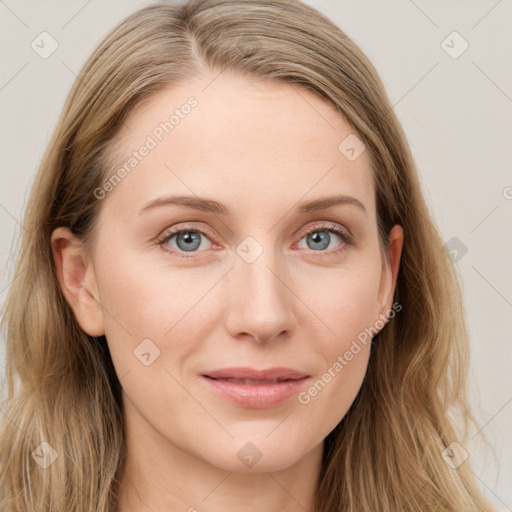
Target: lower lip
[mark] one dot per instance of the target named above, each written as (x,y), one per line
(257,396)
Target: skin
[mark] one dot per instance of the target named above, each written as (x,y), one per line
(259,148)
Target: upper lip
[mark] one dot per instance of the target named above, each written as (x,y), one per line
(253,374)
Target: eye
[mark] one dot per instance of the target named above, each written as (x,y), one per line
(187,240)
(319,237)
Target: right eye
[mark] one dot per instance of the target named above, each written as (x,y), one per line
(187,240)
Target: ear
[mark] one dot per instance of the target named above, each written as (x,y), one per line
(390,267)
(77,280)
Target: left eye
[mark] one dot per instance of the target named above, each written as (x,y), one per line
(320,238)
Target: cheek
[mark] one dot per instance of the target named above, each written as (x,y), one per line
(347,307)
(326,401)
(345,356)
(144,302)
(346,303)
(153,325)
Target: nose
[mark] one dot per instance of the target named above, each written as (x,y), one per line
(260,304)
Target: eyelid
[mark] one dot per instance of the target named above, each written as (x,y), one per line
(176,228)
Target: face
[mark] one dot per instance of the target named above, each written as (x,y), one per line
(247,269)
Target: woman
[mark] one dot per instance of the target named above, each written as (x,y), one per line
(230,291)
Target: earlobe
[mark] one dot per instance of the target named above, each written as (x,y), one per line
(77,280)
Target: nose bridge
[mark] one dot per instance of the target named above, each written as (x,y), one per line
(260,302)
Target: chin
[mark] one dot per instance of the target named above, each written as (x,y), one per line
(256,453)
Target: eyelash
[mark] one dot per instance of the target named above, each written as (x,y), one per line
(343,234)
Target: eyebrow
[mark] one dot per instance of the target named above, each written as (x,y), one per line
(212,206)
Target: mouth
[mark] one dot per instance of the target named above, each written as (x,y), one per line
(252,382)
(252,388)
(270,375)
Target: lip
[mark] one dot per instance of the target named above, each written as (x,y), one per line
(253,374)
(253,388)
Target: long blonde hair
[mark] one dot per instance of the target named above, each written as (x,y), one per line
(387,452)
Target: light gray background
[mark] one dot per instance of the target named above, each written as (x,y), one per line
(457,114)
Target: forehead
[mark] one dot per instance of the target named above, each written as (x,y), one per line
(255,142)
